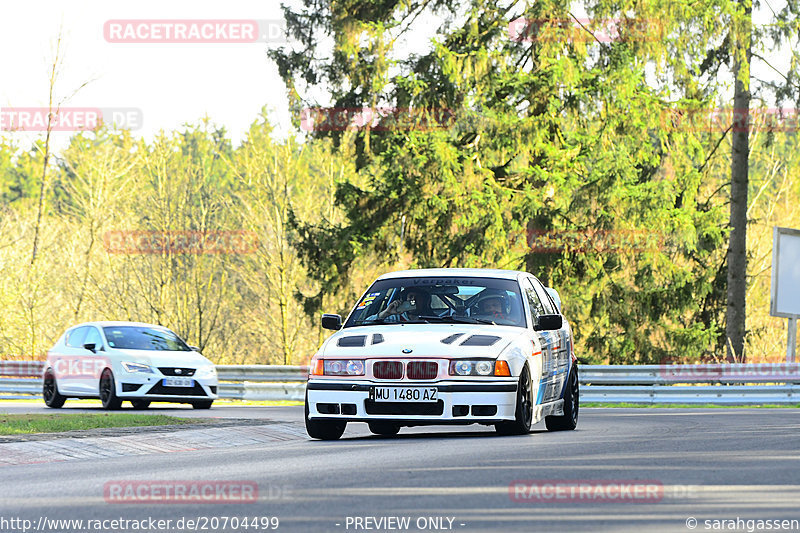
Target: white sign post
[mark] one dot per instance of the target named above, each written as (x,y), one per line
(785,300)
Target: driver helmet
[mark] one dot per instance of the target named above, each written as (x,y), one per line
(492,294)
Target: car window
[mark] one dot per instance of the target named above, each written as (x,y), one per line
(534,302)
(440,299)
(93,337)
(547,302)
(76,336)
(144,338)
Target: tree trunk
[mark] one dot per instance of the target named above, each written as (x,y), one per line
(737,247)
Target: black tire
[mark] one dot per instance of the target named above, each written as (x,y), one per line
(108,391)
(50,393)
(140,404)
(384,428)
(324,429)
(569,420)
(206,404)
(524,410)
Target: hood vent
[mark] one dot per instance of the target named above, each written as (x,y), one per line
(480,340)
(352,341)
(377,338)
(451,338)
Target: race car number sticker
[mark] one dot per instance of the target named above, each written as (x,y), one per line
(368,299)
(404,394)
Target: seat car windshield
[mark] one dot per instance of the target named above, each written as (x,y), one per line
(143,338)
(440,300)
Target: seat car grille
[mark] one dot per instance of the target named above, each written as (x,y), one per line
(422,370)
(175,371)
(387,369)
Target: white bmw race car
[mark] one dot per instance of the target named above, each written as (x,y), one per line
(446,346)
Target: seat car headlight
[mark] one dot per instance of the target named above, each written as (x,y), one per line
(137,367)
(472,367)
(208,371)
(344,367)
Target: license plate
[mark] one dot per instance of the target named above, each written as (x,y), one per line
(178,382)
(404,394)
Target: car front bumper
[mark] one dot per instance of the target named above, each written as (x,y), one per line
(149,387)
(459,402)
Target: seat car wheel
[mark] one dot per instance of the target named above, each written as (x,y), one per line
(108,391)
(524,411)
(202,405)
(384,428)
(140,404)
(324,429)
(50,391)
(569,419)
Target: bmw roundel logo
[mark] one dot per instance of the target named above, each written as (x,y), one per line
(407,350)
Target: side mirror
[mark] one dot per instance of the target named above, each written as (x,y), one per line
(194,349)
(549,322)
(332,322)
(89,346)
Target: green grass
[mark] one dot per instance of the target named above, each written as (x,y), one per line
(56,423)
(689,406)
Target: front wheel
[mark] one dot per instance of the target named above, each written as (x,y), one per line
(140,404)
(324,429)
(108,391)
(50,391)
(524,411)
(569,420)
(202,405)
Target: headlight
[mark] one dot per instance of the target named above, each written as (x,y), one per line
(472,367)
(137,367)
(343,367)
(209,371)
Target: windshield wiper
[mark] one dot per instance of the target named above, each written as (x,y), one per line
(459,319)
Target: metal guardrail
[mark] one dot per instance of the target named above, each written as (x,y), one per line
(737,384)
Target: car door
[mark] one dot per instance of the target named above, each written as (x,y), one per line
(561,338)
(548,340)
(92,362)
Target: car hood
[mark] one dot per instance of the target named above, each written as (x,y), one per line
(163,358)
(424,340)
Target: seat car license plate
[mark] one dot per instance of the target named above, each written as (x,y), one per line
(404,394)
(178,382)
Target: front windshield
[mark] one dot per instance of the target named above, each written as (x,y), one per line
(144,338)
(440,300)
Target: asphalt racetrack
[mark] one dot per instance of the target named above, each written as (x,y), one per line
(622,470)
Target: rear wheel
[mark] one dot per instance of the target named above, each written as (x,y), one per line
(108,391)
(140,404)
(384,428)
(202,405)
(324,429)
(569,420)
(50,391)
(524,411)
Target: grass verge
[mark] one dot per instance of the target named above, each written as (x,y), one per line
(56,423)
